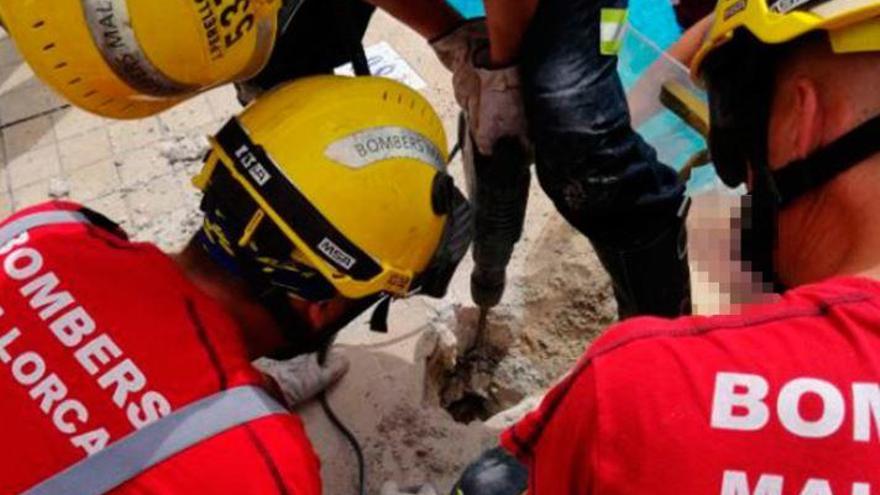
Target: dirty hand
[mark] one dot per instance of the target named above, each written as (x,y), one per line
(490,97)
(390,488)
(302,378)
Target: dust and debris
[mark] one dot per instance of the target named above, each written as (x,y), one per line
(59,188)
(551,313)
(185,149)
(421,444)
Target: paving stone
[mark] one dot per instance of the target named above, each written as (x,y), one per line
(8,52)
(84,149)
(5,198)
(94,181)
(59,188)
(190,194)
(31,194)
(223,102)
(5,205)
(113,206)
(28,135)
(27,100)
(72,122)
(34,166)
(193,114)
(138,167)
(158,211)
(130,135)
(15,75)
(160,195)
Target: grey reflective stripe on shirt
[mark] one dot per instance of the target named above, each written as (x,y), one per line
(15,228)
(134,454)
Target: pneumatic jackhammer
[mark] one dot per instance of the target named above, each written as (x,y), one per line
(498,186)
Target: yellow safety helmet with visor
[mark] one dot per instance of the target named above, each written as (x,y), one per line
(334,185)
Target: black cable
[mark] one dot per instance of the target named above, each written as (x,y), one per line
(352,440)
(339,425)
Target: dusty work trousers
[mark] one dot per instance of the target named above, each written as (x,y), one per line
(601,175)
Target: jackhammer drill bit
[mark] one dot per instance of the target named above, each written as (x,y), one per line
(499,189)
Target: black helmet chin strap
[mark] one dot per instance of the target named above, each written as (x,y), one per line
(773,191)
(802,176)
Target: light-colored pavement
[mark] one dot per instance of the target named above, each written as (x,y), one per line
(133,171)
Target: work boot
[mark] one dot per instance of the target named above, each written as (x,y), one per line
(499,191)
(653,278)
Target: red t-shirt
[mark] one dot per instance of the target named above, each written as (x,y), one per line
(782,400)
(99,336)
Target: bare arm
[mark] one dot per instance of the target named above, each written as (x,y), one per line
(430,18)
(508,21)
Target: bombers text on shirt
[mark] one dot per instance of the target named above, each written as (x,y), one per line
(102,337)
(782,400)
(76,330)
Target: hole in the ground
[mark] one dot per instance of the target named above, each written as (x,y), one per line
(471,407)
(522,350)
(476,388)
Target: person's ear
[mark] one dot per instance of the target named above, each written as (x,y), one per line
(796,121)
(809,123)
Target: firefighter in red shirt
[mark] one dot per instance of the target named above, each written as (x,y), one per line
(784,398)
(124,370)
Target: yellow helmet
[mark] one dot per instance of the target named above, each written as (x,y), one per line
(852,25)
(737,61)
(336,185)
(129,59)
